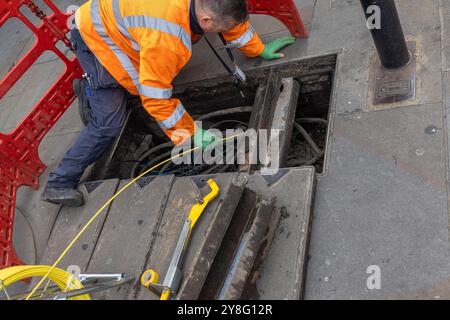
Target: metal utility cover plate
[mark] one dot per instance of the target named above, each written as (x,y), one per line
(283,271)
(70,221)
(389,88)
(259,213)
(184,194)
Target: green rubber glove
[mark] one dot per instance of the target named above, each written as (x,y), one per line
(204,139)
(272,48)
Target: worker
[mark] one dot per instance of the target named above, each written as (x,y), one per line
(137,47)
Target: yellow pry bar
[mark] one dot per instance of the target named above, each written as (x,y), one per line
(197,209)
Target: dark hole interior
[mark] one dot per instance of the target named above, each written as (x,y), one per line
(220,105)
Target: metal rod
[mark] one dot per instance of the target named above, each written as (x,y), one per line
(93,280)
(97,276)
(39,295)
(46,287)
(388,35)
(100,287)
(172,277)
(69,283)
(4,289)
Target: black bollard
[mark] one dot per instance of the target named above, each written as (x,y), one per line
(389,39)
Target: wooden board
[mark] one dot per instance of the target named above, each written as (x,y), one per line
(129,232)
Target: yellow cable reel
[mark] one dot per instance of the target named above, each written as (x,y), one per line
(61,278)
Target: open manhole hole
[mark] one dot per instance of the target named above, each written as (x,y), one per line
(308,83)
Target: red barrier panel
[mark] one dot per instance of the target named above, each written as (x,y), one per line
(19,160)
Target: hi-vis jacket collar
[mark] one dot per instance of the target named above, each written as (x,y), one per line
(195,26)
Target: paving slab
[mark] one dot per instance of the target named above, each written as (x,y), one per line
(343,3)
(329,33)
(20,40)
(25,236)
(69,123)
(41,215)
(29,90)
(132,222)
(444,7)
(383,202)
(352,74)
(425,28)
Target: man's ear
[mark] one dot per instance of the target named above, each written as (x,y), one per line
(206,22)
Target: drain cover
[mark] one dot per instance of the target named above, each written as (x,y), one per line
(396,88)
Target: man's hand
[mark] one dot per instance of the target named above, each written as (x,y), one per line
(270,52)
(203,138)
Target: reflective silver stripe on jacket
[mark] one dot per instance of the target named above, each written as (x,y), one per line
(155,93)
(161,25)
(122,27)
(123,58)
(148,91)
(244,39)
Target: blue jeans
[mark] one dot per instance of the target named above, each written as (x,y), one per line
(108,102)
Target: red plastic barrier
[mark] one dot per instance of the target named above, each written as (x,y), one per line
(19,160)
(283,10)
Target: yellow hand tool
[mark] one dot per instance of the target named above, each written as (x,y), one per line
(172,280)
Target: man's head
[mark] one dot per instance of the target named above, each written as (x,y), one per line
(220,15)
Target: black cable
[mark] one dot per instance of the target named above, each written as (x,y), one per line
(188,170)
(149,164)
(308,138)
(146,155)
(313,120)
(225,44)
(299,163)
(237,122)
(196,169)
(225,112)
(225,65)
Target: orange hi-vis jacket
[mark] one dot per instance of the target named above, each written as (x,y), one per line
(144,44)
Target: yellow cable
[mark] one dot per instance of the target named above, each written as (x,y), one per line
(58,276)
(106,204)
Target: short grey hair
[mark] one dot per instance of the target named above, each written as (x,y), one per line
(236,10)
